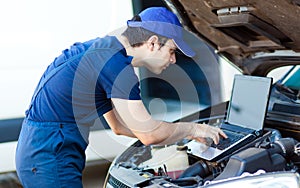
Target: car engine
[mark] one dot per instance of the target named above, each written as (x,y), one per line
(173,165)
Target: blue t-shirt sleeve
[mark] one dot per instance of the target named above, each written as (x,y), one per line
(118,78)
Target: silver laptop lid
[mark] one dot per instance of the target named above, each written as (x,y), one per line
(249,101)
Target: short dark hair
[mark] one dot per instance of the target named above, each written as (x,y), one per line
(136,36)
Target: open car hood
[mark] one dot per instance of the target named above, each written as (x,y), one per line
(250,33)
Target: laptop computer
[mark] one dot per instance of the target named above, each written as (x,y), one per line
(244,118)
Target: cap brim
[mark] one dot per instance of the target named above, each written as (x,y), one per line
(184,48)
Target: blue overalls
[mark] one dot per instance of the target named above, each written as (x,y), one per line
(50,154)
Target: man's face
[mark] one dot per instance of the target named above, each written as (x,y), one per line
(160,57)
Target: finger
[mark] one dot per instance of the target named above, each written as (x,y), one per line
(223,134)
(217,134)
(202,140)
(216,141)
(206,141)
(215,138)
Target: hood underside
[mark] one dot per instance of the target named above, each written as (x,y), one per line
(238,29)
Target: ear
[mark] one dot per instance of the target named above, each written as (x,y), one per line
(152,41)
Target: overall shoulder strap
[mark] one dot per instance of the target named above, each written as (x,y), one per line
(80,51)
(42,83)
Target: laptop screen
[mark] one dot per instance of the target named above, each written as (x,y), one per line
(249,100)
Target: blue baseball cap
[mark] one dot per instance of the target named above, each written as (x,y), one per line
(163,22)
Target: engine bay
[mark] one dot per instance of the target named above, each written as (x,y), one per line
(174,166)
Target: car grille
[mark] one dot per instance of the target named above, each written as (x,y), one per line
(116,183)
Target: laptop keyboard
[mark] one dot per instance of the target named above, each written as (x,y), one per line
(226,142)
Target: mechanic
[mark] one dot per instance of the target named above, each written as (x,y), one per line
(97,78)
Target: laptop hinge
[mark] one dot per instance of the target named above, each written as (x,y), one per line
(258,133)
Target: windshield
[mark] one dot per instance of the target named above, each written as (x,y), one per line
(289,85)
(292,79)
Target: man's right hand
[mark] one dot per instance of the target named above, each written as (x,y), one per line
(202,133)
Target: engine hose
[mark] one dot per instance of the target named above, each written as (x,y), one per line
(284,147)
(199,168)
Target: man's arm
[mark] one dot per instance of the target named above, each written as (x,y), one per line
(138,123)
(117,126)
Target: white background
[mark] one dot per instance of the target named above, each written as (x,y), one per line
(34,32)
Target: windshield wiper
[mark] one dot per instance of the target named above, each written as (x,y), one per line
(290,93)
